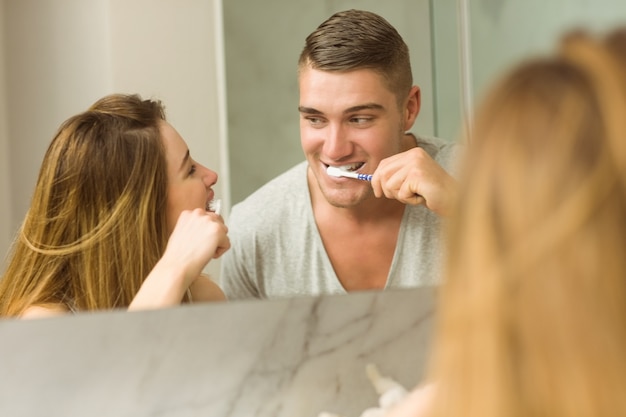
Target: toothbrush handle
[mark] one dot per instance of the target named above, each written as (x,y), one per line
(366,177)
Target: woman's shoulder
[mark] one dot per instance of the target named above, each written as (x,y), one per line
(40,311)
(205,289)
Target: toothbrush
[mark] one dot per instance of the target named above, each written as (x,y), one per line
(215,206)
(336,172)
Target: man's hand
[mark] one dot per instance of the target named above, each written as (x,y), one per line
(413,177)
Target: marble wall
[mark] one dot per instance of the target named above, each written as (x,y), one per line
(280,358)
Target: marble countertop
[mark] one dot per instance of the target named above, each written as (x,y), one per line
(279,358)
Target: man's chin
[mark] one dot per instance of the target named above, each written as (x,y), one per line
(343,199)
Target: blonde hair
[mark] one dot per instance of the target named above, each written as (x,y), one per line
(96,225)
(533,310)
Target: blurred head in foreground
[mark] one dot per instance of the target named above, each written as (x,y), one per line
(533,312)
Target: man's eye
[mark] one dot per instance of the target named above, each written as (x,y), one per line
(192,170)
(315,121)
(361,120)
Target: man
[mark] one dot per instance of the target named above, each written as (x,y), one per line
(309,233)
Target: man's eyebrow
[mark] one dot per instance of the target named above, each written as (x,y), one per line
(185,159)
(368,106)
(308,110)
(353,109)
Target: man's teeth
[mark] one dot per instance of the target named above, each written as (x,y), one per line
(351,167)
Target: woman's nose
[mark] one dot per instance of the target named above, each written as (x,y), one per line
(209,176)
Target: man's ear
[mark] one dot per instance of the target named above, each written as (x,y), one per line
(412,109)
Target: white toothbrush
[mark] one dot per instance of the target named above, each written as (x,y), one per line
(336,172)
(215,206)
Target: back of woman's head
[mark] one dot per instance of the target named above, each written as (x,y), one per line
(96,225)
(533,320)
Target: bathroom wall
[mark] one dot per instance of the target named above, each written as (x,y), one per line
(57,60)
(503,32)
(5,190)
(262,43)
(446,77)
(62,55)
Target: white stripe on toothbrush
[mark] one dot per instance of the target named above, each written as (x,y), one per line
(336,172)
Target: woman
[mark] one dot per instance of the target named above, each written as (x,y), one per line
(533,310)
(118,218)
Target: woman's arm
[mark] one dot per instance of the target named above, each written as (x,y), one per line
(205,289)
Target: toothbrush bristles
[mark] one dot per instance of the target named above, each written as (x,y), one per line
(215,206)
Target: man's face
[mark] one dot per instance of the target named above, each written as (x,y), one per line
(348,119)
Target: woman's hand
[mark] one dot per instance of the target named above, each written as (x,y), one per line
(198,237)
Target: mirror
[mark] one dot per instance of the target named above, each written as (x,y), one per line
(97,49)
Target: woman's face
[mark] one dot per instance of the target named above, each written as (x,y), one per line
(189,184)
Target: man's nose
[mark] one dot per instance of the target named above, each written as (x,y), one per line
(336,144)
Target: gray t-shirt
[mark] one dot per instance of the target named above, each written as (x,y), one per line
(276,249)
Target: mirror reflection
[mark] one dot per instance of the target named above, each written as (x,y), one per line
(261,73)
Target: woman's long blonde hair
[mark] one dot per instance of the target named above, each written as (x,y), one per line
(96,225)
(533,310)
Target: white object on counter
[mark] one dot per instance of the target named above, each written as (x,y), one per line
(389,390)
